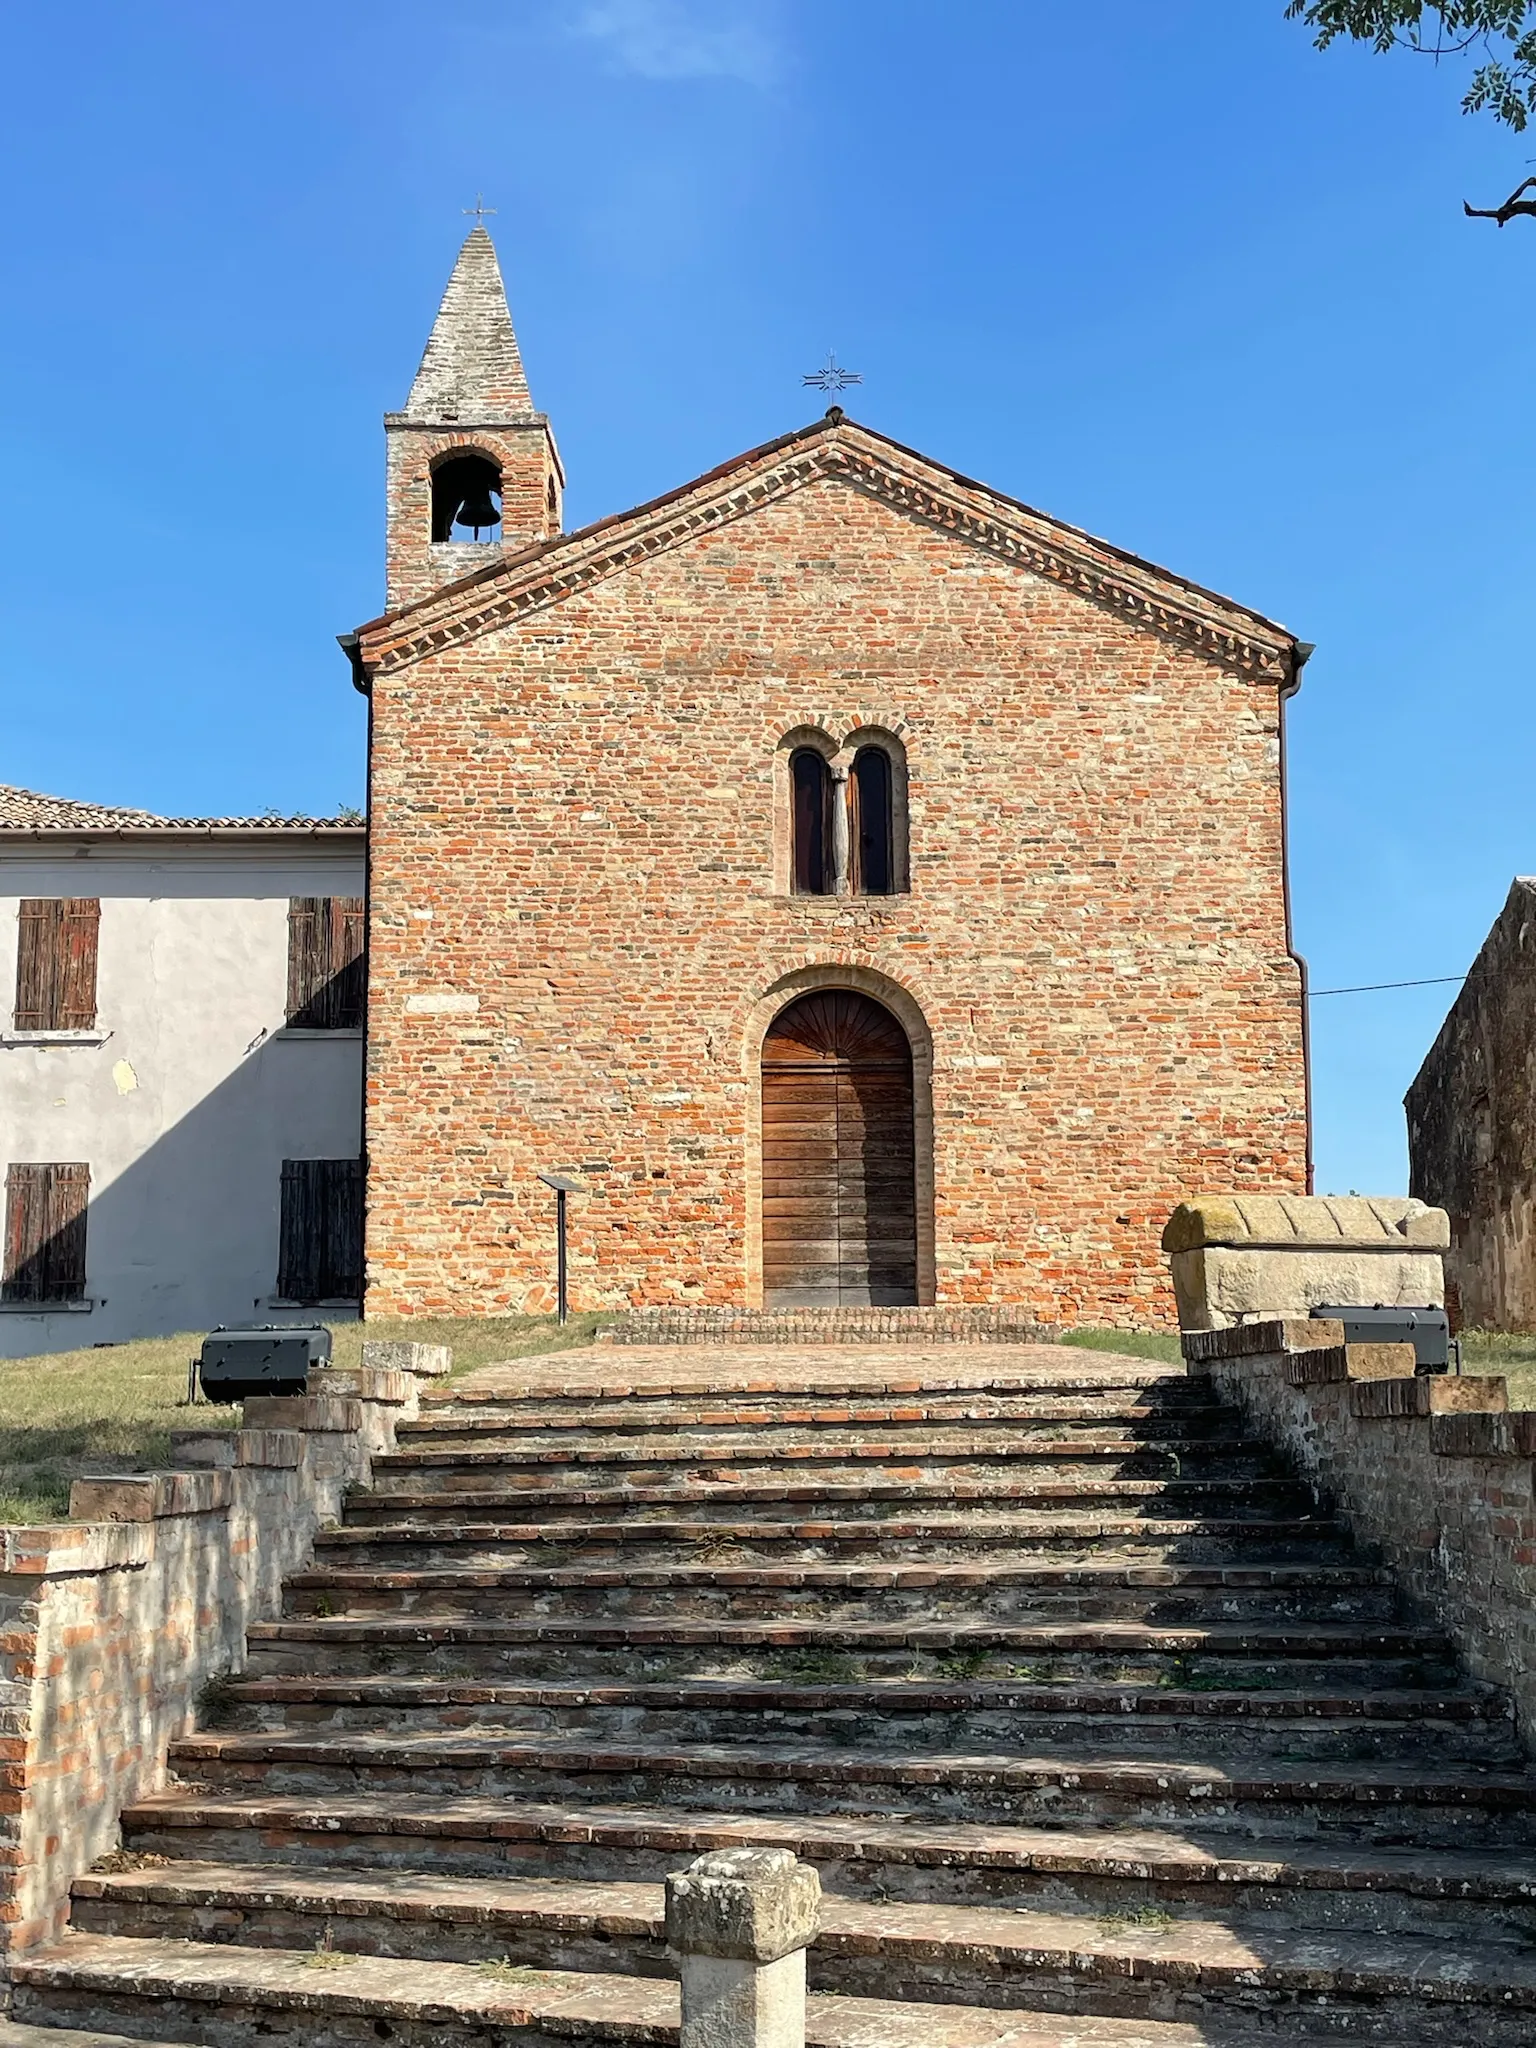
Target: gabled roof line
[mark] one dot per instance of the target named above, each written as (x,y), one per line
(1156,598)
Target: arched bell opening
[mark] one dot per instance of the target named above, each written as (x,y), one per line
(839,1156)
(466,500)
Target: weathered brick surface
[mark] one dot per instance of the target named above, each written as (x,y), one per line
(581,925)
(1434,1472)
(111,1624)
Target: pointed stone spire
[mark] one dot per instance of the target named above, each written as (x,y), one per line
(469,404)
(472,369)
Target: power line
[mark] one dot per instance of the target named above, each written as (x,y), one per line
(1366,988)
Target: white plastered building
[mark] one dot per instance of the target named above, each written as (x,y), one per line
(181,1066)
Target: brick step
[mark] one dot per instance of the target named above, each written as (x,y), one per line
(948,1954)
(425,1495)
(239,1998)
(506,1543)
(1007,1446)
(1341,1658)
(1392,1725)
(897,1855)
(955,1594)
(1471,1805)
(1030,1414)
(599,1380)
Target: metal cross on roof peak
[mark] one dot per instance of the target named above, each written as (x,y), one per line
(479,209)
(832,376)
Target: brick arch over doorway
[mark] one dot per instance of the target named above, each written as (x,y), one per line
(839,1162)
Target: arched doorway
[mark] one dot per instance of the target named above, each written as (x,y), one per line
(839,1180)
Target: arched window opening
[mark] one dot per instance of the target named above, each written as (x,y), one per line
(466,500)
(810,781)
(871,835)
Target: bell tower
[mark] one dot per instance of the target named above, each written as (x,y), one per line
(473,471)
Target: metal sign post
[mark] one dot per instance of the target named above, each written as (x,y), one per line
(562,1186)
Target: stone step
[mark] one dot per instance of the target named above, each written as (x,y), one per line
(560,1460)
(1467,1726)
(947,1954)
(1472,1805)
(230,1997)
(14,2035)
(1155,1498)
(1136,1422)
(949,1592)
(937,1536)
(1024,1408)
(900,1854)
(1246,1657)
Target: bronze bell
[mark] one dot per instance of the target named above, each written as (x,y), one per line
(478,510)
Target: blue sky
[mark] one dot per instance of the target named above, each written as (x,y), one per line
(1160,269)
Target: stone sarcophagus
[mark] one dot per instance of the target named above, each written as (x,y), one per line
(1241,1258)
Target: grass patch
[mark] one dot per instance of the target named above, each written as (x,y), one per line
(113,1407)
(1162,1345)
(1510,1352)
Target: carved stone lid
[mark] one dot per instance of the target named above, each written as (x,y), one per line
(1387,1223)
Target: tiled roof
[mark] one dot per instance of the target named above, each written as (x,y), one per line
(27,810)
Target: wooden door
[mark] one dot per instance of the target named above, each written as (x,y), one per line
(839,1191)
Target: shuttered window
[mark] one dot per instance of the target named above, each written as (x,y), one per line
(326,937)
(56,963)
(320,1254)
(45,1232)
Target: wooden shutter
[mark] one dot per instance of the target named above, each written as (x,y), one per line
(346,983)
(75,963)
(36,937)
(341,1275)
(326,971)
(306,956)
(56,963)
(298,1257)
(69,1194)
(45,1220)
(320,1252)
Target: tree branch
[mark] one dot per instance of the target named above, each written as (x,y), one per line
(1514,204)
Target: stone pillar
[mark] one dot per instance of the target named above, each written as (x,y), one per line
(739,1922)
(842,834)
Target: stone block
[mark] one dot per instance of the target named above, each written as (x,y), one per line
(58,1550)
(1430,1394)
(739,1921)
(1349,1362)
(753,1905)
(1237,1259)
(391,1388)
(150,1496)
(1258,1340)
(426,1361)
(1510,1435)
(309,1412)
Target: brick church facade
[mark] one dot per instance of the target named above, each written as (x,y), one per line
(866,887)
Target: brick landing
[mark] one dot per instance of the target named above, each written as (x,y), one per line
(604,1373)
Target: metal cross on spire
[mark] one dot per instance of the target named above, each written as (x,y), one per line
(479,209)
(832,376)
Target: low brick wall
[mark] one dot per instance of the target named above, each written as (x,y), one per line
(1435,1472)
(113,1622)
(960,1324)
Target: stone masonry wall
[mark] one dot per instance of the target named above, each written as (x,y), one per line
(577,941)
(1472,1126)
(113,1622)
(1434,1471)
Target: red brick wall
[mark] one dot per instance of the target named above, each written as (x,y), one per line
(414,567)
(576,934)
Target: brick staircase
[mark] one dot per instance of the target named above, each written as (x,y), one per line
(1100,1733)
